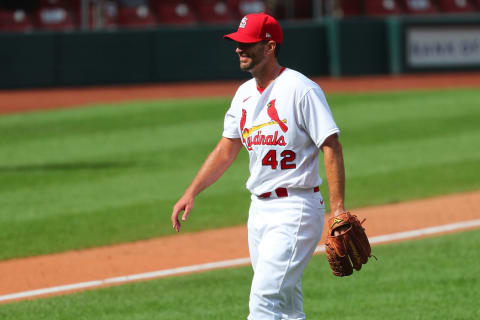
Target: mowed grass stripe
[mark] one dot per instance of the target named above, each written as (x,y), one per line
(121,117)
(421,279)
(114,171)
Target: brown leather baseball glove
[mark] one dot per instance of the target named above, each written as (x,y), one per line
(350,248)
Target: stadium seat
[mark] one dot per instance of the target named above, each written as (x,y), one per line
(419,6)
(140,16)
(244,7)
(382,7)
(55,18)
(110,14)
(351,7)
(55,3)
(103,14)
(214,11)
(174,11)
(455,6)
(15,21)
(75,8)
(303,9)
(477,4)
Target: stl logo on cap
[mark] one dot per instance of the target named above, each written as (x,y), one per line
(256,27)
(243,23)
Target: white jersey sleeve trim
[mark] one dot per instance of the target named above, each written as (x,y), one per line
(334,131)
(230,126)
(230,123)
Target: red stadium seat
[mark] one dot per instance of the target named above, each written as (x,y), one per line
(103,14)
(174,11)
(303,9)
(351,7)
(54,3)
(75,7)
(477,4)
(214,11)
(455,6)
(382,7)
(15,21)
(135,16)
(110,14)
(244,7)
(55,18)
(419,6)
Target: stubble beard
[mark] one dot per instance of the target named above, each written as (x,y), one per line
(254,61)
(247,66)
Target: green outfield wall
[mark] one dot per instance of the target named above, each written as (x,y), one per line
(327,47)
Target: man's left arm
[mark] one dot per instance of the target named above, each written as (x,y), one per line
(335,172)
(345,232)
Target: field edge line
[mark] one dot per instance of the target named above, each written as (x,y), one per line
(225,263)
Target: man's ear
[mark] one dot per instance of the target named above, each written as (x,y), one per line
(271,45)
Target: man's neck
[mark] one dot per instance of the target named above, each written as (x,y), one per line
(267,74)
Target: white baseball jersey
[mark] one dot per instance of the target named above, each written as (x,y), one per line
(282,128)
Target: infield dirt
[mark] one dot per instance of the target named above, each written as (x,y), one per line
(209,246)
(12,101)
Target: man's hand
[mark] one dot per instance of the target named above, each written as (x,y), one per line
(216,164)
(340,230)
(348,250)
(343,228)
(185,204)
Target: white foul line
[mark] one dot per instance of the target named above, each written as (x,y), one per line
(226,263)
(128,278)
(416,233)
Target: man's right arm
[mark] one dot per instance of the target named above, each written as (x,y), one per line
(212,169)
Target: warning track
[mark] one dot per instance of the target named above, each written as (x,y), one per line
(13,101)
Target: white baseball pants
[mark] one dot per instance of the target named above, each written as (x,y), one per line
(282,236)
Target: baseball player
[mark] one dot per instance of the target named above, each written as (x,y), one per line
(283,120)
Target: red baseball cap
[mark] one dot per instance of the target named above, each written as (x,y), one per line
(256,27)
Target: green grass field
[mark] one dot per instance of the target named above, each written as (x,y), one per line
(113,172)
(434,278)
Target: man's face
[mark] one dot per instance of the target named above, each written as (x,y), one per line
(250,54)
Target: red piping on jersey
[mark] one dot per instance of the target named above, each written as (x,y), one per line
(260,89)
